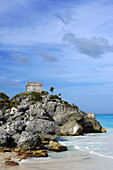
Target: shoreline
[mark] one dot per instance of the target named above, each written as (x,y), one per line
(87,162)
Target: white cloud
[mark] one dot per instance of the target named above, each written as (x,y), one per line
(48,57)
(18,57)
(94,47)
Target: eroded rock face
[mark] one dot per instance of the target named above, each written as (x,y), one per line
(6,140)
(43,127)
(29,141)
(71,128)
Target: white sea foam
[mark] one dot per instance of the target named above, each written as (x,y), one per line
(77,147)
(92,152)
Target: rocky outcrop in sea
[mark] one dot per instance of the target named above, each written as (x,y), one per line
(31,121)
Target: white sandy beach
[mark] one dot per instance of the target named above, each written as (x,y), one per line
(91,162)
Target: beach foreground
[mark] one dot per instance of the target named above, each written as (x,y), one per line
(87,162)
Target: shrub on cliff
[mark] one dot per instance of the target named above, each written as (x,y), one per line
(34,96)
(3,96)
(20,95)
(53,97)
(4,104)
(75,107)
(67,104)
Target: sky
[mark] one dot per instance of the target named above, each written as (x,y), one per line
(67,44)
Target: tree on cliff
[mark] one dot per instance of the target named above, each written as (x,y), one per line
(51,89)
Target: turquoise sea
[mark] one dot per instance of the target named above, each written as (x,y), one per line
(100,144)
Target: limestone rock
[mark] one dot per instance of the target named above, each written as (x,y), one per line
(103,130)
(6,140)
(42,126)
(23,108)
(71,128)
(29,141)
(1,116)
(55,146)
(36,153)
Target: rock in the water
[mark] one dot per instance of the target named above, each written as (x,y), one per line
(10,163)
(103,130)
(71,128)
(36,153)
(55,146)
(40,153)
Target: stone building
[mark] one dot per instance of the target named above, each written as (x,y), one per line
(34,87)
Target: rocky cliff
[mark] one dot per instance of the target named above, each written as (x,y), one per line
(30,120)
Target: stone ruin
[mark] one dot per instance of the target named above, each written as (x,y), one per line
(34,87)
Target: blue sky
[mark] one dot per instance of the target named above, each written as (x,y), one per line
(65,44)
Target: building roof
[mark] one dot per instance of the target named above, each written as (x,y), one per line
(33,84)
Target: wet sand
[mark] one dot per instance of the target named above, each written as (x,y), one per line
(91,162)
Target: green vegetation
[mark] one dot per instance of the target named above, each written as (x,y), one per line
(4,104)
(34,96)
(44,93)
(20,95)
(53,97)
(75,107)
(14,103)
(67,104)
(3,96)
(26,119)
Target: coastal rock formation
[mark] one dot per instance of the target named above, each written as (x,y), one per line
(30,120)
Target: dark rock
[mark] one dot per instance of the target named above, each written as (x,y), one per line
(19,126)
(23,108)
(39,113)
(29,141)
(42,126)
(10,163)
(18,116)
(36,153)
(6,140)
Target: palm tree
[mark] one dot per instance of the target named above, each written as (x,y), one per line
(51,89)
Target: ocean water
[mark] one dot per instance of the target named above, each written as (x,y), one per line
(100,144)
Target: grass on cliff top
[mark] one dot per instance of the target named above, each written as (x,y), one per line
(25,94)
(5,103)
(56,97)
(34,96)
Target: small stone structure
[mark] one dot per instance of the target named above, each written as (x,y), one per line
(34,87)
